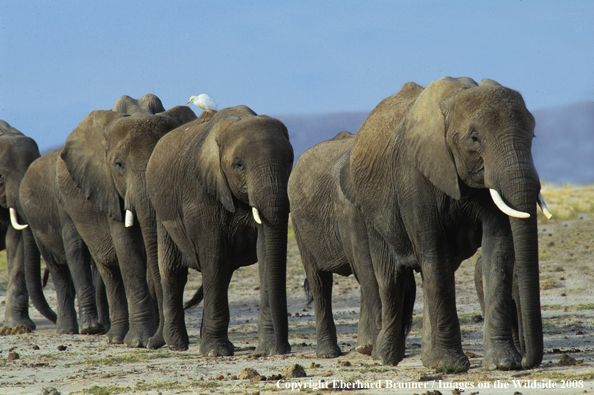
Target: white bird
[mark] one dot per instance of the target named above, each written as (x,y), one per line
(204,102)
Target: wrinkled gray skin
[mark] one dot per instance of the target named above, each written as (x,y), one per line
(516,312)
(17,151)
(62,248)
(203,180)
(420,170)
(100,175)
(332,238)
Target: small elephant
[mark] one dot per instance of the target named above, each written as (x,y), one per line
(220,192)
(17,151)
(100,175)
(435,173)
(63,250)
(332,238)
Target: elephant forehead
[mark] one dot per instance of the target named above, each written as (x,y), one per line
(494,106)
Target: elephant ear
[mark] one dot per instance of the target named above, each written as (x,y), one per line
(84,156)
(425,134)
(179,115)
(210,173)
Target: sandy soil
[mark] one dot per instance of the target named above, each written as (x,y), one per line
(88,365)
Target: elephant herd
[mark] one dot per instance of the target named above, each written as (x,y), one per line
(139,194)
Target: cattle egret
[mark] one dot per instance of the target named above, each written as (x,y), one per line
(204,102)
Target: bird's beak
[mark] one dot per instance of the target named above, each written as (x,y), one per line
(189,101)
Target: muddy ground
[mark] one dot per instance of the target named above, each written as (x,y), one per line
(83,364)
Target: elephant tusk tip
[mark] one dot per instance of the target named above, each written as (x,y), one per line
(498,200)
(14,220)
(129,220)
(256,215)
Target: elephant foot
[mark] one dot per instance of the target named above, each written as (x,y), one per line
(502,357)
(17,319)
(448,361)
(157,341)
(89,325)
(176,337)
(273,349)
(117,333)
(218,348)
(138,336)
(388,349)
(327,350)
(67,327)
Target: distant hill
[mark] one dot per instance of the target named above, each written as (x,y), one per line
(563,149)
(307,130)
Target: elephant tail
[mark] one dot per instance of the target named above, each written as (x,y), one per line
(308,294)
(196,299)
(410,293)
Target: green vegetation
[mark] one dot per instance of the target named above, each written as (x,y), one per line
(110,390)
(566,202)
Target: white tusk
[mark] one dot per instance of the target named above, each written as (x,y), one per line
(129,221)
(14,220)
(505,208)
(256,215)
(543,207)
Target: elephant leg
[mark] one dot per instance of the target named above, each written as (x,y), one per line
(116,298)
(173,280)
(500,311)
(370,322)
(441,343)
(365,336)
(517,325)
(100,297)
(17,298)
(67,322)
(78,259)
(214,338)
(391,285)
(320,284)
(142,311)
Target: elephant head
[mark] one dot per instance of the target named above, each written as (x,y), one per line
(107,152)
(17,152)
(465,136)
(149,104)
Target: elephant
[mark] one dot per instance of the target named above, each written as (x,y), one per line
(100,175)
(17,151)
(63,250)
(220,192)
(435,172)
(332,238)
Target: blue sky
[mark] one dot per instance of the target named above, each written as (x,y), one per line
(59,60)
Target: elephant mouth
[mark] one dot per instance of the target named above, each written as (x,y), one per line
(498,200)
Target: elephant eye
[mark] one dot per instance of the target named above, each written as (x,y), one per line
(118,163)
(238,165)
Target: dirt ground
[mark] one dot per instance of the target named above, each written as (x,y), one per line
(83,364)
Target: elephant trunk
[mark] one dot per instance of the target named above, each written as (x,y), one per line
(147,220)
(272,203)
(520,187)
(33,277)
(527,268)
